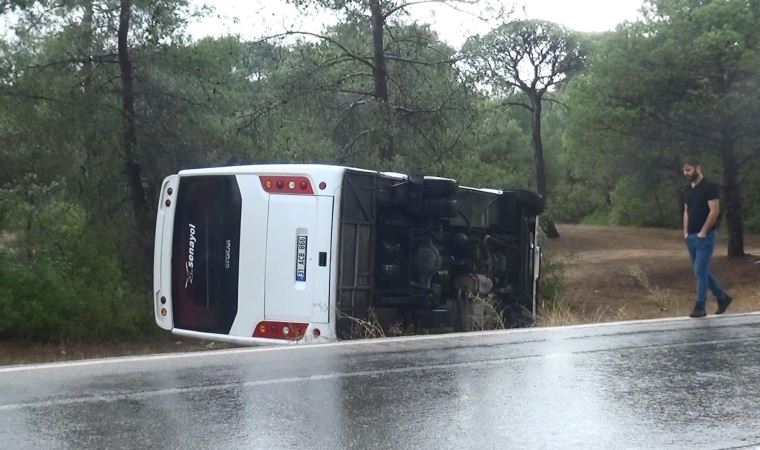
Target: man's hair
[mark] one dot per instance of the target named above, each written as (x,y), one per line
(691,161)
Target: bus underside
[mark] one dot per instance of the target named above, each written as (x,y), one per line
(422,255)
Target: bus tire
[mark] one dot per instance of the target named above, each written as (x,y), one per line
(531,201)
(432,319)
(439,187)
(440,207)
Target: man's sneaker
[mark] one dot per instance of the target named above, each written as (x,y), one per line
(698,312)
(723,304)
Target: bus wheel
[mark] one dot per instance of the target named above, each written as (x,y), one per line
(440,207)
(534,203)
(439,187)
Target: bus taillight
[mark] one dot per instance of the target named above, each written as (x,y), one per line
(280,330)
(286,185)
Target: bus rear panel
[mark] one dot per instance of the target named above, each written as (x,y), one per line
(244,254)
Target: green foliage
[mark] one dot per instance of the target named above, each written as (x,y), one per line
(635,202)
(528,56)
(47,298)
(499,152)
(574,202)
(552,282)
(752,198)
(60,279)
(683,81)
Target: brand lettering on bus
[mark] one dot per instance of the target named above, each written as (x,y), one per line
(189,264)
(227,253)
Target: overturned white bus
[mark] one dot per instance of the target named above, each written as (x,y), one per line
(267,254)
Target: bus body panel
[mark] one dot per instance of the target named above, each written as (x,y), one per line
(253,220)
(313,302)
(297,282)
(162,250)
(247,340)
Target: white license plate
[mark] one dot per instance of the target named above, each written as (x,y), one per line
(301,246)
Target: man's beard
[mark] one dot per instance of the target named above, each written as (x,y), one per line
(694,177)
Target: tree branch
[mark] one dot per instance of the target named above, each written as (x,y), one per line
(557,102)
(523,105)
(392,11)
(752,156)
(392,57)
(107,58)
(52,100)
(361,101)
(361,59)
(344,151)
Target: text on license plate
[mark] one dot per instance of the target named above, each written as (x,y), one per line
(301,246)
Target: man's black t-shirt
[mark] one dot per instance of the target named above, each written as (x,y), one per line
(696,199)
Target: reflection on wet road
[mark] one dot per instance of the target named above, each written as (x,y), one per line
(666,384)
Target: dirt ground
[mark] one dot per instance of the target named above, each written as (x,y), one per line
(19,352)
(625,273)
(609,273)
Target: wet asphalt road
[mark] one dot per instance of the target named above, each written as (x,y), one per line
(668,384)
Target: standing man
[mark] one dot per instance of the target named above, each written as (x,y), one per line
(700,217)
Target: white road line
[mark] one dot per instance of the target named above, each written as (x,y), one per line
(363,342)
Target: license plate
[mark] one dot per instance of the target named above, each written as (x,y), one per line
(301,246)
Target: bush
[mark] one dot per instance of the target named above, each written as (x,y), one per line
(46,299)
(62,279)
(752,223)
(598,217)
(573,202)
(637,202)
(551,282)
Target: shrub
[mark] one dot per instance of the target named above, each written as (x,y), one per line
(61,278)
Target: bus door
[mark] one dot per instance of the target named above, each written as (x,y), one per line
(299,234)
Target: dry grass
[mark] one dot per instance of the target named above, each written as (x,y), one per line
(364,329)
(662,298)
(491,315)
(556,314)
(561,312)
(628,273)
(397,329)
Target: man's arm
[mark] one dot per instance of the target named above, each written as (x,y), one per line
(685,221)
(712,217)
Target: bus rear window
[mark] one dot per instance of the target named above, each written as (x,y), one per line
(205,253)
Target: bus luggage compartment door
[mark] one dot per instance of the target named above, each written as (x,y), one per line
(299,235)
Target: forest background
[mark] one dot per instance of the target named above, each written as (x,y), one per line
(100,100)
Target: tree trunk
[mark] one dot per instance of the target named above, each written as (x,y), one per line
(380,75)
(538,155)
(732,199)
(89,95)
(131,165)
(86,186)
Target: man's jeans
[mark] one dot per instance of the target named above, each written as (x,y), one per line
(700,251)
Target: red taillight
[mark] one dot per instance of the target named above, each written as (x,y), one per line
(286,185)
(280,330)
